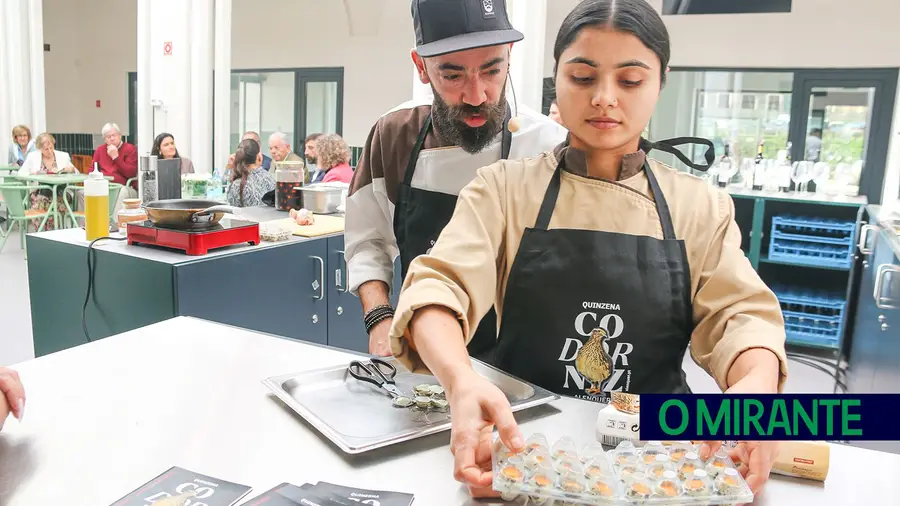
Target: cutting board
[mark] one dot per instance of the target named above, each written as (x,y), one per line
(324,225)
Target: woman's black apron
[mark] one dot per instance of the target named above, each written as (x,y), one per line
(589,312)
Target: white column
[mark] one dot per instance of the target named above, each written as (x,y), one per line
(201,34)
(21,69)
(222,108)
(144,78)
(527,60)
(36,64)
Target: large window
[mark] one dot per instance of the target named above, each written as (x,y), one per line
(742,108)
(841,117)
(296,102)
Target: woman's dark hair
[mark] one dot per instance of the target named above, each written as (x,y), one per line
(244,158)
(157,144)
(636,17)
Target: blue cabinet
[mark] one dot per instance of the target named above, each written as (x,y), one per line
(345,315)
(279,290)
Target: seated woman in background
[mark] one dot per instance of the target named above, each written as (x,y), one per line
(12,395)
(22,145)
(46,161)
(333,157)
(164,149)
(249,180)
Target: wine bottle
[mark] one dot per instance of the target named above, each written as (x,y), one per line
(759,171)
(725,168)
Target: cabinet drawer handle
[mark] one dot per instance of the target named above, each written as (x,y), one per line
(883,271)
(321,281)
(864,239)
(344,274)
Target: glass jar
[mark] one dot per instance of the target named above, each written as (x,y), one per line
(131,211)
(288,175)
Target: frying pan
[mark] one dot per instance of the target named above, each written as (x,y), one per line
(187,214)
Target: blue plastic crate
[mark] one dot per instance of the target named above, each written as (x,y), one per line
(812,318)
(812,241)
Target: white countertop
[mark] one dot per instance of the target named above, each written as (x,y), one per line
(103,418)
(858,200)
(173,257)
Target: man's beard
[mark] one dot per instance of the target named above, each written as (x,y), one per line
(311,159)
(448,121)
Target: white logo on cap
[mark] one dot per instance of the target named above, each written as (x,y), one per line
(488,6)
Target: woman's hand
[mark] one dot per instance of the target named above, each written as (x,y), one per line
(13,398)
(477,406)
(756,457)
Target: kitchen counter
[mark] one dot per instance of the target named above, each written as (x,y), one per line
(75,236)
(295,288)
(104,418)
(812,198)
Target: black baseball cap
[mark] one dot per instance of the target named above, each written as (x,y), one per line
(448,26)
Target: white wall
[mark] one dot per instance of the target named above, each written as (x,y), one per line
(93,46)
(313,33)
(92,62)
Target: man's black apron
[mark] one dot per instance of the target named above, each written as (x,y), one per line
(589,312)
(420,216)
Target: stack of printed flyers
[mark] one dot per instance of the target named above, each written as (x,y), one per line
(180,487)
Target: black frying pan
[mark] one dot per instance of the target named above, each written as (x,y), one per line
(187,213)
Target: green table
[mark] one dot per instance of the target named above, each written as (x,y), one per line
(55,181)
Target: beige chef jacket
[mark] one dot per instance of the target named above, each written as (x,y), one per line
(468,268)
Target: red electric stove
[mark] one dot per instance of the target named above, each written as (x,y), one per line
(195,241)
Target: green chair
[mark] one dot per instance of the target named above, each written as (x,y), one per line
(15,195)
(74,216)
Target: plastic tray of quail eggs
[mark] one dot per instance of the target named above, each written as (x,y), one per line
(654,474)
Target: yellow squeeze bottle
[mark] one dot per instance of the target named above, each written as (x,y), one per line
(96,205)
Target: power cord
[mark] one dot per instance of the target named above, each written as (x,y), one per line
(838,373)
(91,257)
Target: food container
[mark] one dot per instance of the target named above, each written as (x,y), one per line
(131,212)
(195,186)
(628,475)
(289,177)
(321,199)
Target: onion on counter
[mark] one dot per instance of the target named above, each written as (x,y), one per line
(303,217)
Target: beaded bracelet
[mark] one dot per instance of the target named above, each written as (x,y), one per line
(377,315)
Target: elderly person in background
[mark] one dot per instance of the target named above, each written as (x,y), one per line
(12,395)
(312,160)
(22,145)
(164,149)
(266,161)
(46,161)
(334,160)
(280,149)
(116,158)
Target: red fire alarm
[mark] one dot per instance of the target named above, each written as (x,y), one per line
(98,104)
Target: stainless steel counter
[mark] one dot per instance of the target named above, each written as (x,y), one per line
(258,214)
(889,223)
(105,417)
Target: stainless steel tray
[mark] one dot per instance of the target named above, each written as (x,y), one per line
(358,417)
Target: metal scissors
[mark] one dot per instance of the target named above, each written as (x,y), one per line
(377,372)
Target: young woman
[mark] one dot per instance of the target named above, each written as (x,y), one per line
(604,266)
(249,180)
(164,149)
